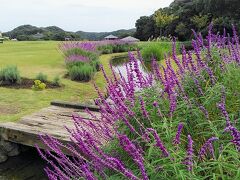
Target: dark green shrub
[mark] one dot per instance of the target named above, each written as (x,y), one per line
(42,77)
(10,75)
(81,73)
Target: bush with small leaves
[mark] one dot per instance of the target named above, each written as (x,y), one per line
(81,73)
(56,81)
(10,75)
(42,77)
(39,86)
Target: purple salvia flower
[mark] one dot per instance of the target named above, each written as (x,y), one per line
(76,58)
(133,151)
(143,108)
(159,143)
(236,136)
(156,70)
(176,141)
(119,165)
(207,146)
(189,159)
(175,58)
(236,39)
(87,174)
(156,105)
(184,57)
(204,110)
(209,39)
(197,84)
(202,64)
(222,107)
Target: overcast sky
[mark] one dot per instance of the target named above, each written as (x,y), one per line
(74,15)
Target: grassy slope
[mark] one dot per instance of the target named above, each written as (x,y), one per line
(32,58)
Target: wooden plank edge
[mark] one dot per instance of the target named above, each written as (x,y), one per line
(75,105)
(28,139)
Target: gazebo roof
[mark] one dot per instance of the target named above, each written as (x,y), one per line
(111,37)
(130,38)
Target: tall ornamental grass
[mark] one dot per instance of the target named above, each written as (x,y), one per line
(116,46)
(10,75)
(178,123)
(156,50)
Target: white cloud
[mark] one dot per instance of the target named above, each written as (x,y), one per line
(88,15)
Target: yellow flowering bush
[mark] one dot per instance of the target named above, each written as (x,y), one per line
(38,85)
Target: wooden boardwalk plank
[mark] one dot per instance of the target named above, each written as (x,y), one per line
(51,121)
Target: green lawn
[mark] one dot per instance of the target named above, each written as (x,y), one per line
(32,58)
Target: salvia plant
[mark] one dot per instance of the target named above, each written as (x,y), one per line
(180,122)
(82,58)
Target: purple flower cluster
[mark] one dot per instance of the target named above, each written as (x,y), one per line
(87,46)
(236,136)
(176,141)
(208,146)
(134,152)
(77,58)
(119,109)
(189,158)
(159,143)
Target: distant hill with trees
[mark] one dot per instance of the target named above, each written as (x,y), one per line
(29,33)
(183,15)
(98,36)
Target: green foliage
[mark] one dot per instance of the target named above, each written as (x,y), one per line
(28,32)
(182,31)
(155,49)
(200,21)
(146,28)
(95,36)
(107,49)
(81,73)
(32,33)
(10,75)
(181,16)
(117,48)
(152,51)
(226,160)
(39,86)
(56,81)
(163,19)
(42,77)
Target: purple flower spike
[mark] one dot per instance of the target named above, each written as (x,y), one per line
(176,141)
(236,136)
(189,159)
(222,107)
(144,111)
(158,142)
(134,152)
(207,146)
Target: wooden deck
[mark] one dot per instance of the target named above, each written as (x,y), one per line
(51,121)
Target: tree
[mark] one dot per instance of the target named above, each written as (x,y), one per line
(200,21)
(146,28)
(162,19)
(182,31)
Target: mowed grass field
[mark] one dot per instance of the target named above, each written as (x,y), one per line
(32,58)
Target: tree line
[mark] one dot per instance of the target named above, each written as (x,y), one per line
(182,16)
